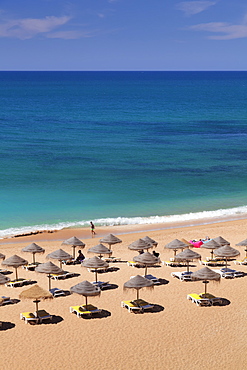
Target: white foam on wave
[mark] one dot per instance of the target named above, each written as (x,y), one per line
(224,214)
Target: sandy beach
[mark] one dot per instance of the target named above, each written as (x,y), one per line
(178,335)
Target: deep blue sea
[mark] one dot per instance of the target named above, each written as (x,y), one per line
(120,147)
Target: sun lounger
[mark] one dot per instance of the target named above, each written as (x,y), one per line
(42,315)
(5,300)
(28,316)
(229,273)
(65,275)
(154,279)
(111,259)
(30,266)
(212,298)
(134,264)
(57,292)
(173,263)
(137,305)
(212,262)
(241,262)
(183,276)
(84,310)
(196,298)
(17,283)
(101,284)
(4,271)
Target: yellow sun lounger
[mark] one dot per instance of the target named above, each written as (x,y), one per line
(136,305)
(198,300)
(84,310)
(241,262)
(17,283)
(65,275)
(28,316)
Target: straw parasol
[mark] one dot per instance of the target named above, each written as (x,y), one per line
(86,289)
(149,240)
(110,239)
(221,241)
(74,242)
(59,255)
(2,256)
(33,248)
(205,274)
(212,244)
(139,245)
(187,255)
(147,259)
(15,261)
(3,279)
(175,245)
(100,249)
(243,243)
(138,282)
(49,268)
(95,263)
(226,252)
(36,293)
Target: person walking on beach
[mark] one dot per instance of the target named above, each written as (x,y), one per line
(92,229)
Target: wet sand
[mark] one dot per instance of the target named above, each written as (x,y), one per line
(177,335)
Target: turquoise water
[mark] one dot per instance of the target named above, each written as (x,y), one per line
(120,147)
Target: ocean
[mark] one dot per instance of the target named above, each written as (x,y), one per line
(121,148)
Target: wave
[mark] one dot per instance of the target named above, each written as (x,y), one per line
(188,218)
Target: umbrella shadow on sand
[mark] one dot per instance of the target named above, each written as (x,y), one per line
(109,287)
(6,325)
(163,282)
(55,320)
(100,315)
(109,269)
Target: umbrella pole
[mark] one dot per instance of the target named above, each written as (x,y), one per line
(37,303)
(137,295)
(96,276)
(49,277)
(206,282)
(212,254)
(86,301)
(60,264)
(175,252)
(16,274)
(146,270)
(73,246)
(33,258)
(246,252)
(188,266)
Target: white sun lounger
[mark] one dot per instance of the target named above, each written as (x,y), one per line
(183,276)
(229,273)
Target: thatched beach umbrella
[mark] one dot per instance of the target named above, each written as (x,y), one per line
(15,261)
(147,259)
(243,243)
(151,241)
(221,241)
(86,289)
(226,252)
(74,242)
(33,248)
(2,256)
(59,255)
(175,245)
(205,274)
(211,244)
(36,293)
(138,282)
(139,245)
(3,279)
(95,263)
(110,239)
(49,268)
(100,249)
(187,255)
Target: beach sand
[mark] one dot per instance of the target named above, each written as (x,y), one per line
(179,335)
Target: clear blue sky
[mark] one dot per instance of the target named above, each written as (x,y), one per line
(123,35)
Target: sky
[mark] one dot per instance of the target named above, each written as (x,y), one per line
(123,35)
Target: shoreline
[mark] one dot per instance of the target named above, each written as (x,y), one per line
(85,233)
